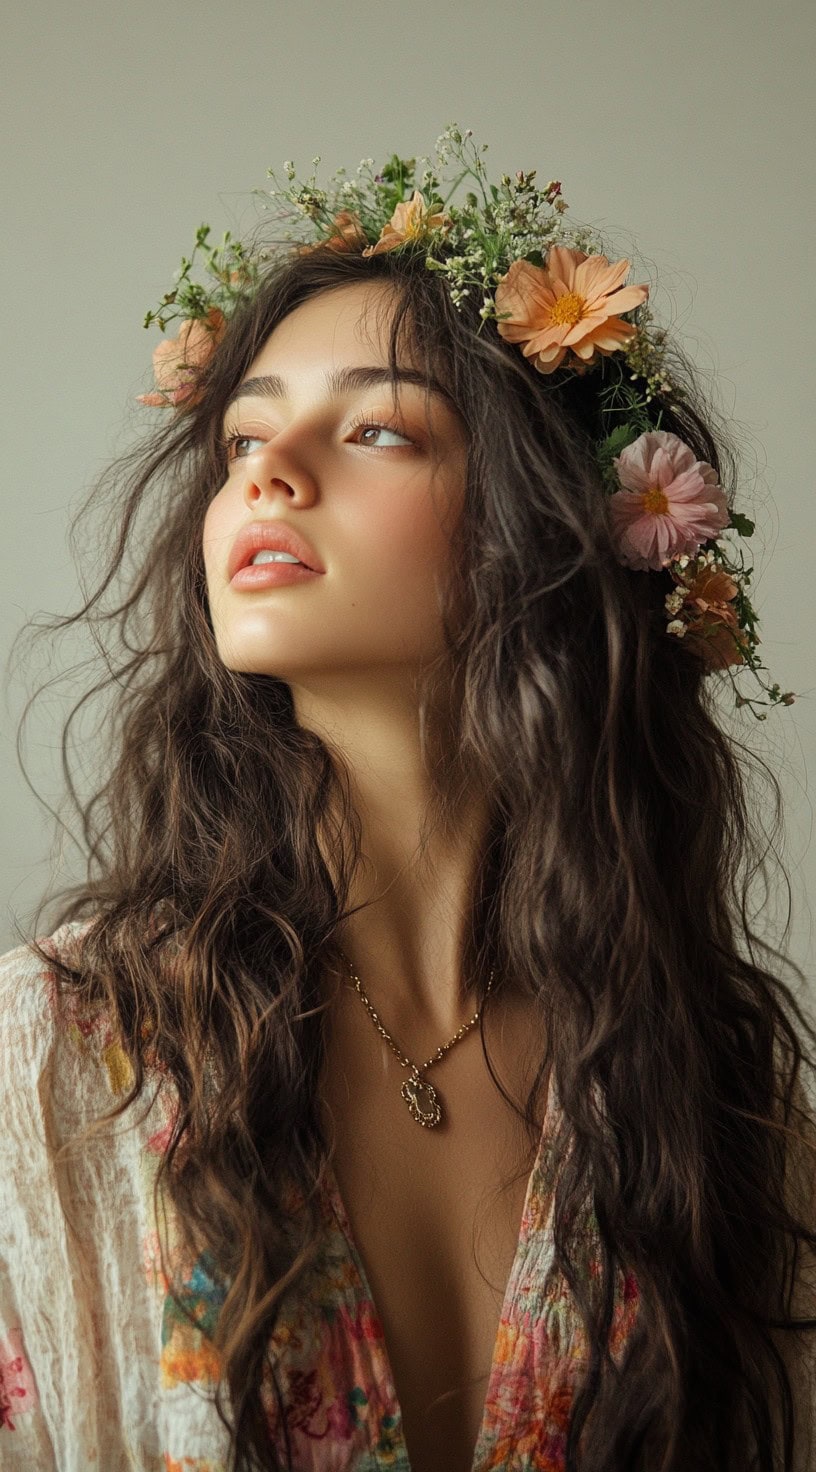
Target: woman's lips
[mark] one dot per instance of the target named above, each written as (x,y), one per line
(270,574)
(270,534)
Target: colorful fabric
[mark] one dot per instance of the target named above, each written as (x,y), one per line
(100,1369)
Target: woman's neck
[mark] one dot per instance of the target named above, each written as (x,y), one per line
(415,876)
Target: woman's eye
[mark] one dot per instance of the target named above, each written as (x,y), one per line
(233,441)
(380,429)
(378,436)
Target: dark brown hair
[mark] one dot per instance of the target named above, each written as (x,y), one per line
(615,884)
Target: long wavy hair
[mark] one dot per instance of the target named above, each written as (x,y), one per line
(614,884)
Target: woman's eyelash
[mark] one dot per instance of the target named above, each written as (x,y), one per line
(226,442)
(363,421)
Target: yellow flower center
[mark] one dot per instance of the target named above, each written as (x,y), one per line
(416,221)
(655,500)
(568,310)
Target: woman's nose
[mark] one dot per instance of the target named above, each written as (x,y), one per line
(270,471)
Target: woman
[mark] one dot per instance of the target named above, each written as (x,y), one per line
(445,768)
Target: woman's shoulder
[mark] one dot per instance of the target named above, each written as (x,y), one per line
(60,1056)
(63,1074)
(81,1272)
(32,1013)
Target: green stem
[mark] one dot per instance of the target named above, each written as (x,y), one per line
(457,181)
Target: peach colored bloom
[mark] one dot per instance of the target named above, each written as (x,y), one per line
(176,360)
(719,640)
(672,501)
(349,235)
(569,305)
(411,220)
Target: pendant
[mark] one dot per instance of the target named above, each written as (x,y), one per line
(422,1100)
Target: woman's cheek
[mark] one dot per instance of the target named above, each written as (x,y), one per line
(410,561)
(217,536)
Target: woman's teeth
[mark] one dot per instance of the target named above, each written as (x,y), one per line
(265,555)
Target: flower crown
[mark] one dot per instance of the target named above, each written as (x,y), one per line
(552,291)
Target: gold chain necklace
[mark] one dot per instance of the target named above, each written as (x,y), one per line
(420,1096)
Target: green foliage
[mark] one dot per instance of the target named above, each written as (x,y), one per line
(606,451)
(230,276)
(742,524)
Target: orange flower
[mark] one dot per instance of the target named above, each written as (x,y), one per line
(410,221)
(719,640)
(349,235)
(176,360)
(571,304)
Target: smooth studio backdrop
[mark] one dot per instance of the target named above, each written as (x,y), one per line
(685,130)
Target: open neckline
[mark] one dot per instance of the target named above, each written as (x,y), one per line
(538,1176)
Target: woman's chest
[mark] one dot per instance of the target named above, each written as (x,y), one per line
(435,1215)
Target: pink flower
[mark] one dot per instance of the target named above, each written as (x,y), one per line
(670,505)
(177,359)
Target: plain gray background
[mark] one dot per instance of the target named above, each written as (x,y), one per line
(687,129)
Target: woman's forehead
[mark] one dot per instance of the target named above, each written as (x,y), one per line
(350,324)
(338,342)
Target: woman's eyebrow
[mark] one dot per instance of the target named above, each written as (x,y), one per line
(339,381)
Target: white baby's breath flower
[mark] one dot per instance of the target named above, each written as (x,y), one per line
(676,627)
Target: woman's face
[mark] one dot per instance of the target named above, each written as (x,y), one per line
(372,483)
